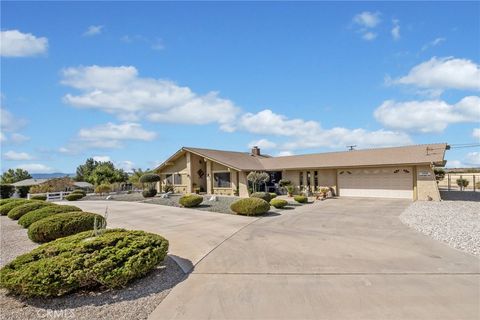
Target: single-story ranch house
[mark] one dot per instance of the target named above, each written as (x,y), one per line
(397,172)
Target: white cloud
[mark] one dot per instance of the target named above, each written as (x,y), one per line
(443,73)
(365,22)
(17,44)
(455,164)
(263,144)
(476,133)
(369,36)
(17,156)
(473,159)
(111,131)
(433,43)
(101,158)
(107,136)
(396,29)
(284,153)
(8,124)
(126,165)
(367,19)
(309,134)
(427,116)
(120,91)
(36,168)
(93,31)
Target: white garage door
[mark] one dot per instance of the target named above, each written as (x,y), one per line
(394,182)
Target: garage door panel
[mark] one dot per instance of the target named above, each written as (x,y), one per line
(377,182)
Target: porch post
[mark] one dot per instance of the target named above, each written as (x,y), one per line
(209,177)
(189,173)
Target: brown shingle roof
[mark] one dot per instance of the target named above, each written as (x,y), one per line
(416,154)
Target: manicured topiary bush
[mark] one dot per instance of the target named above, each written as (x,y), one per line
(300,199)
(5,208)
(278,203)
(190,200)
(273,195)
(74,196)
(82,261)
(19,211)
(62,225)
(6,191)
(33,216)
(262,195)
(39,197)
(79,191)
(250,206)
(149,178)
(149,193)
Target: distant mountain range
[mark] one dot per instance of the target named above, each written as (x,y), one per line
(51,175)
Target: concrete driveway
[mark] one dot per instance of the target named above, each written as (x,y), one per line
(192,233)
(338,259)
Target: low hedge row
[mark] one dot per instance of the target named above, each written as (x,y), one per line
(17,212)
(33,216)
(39,197)
(9,204)
(111,259)
(250,206)
(190,200)
(62,225)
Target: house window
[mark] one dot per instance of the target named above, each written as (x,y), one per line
(309,177)
(168,179)
(221,180)
(315,179)
(301,178)
(177,179)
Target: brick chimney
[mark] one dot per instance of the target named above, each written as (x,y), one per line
(256,151)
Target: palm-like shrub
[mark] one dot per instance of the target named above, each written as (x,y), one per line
(62,225)
(33,216)
(17,212)
(250,206)
(190,200)
(82,261)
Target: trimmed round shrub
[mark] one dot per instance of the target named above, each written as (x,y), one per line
(278,203)
(273,195)
(149,193)
(103,188)
(33,216)
(6,190)
(149,178)
(112,260)
(39,197)
(74,196)
(250,206)
(19,211)
(79,191)
(13,203)
(62,225)
(262,195)
(190,200)
(5,201)
(300,199)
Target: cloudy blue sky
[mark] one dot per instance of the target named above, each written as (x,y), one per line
(133,82)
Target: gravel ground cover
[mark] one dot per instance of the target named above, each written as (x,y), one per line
(134,196)
(456,223)
(135,302)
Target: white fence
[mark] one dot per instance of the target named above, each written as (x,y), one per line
(51,196)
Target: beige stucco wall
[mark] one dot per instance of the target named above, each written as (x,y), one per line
(242,185)
(426,184)
(197,163)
